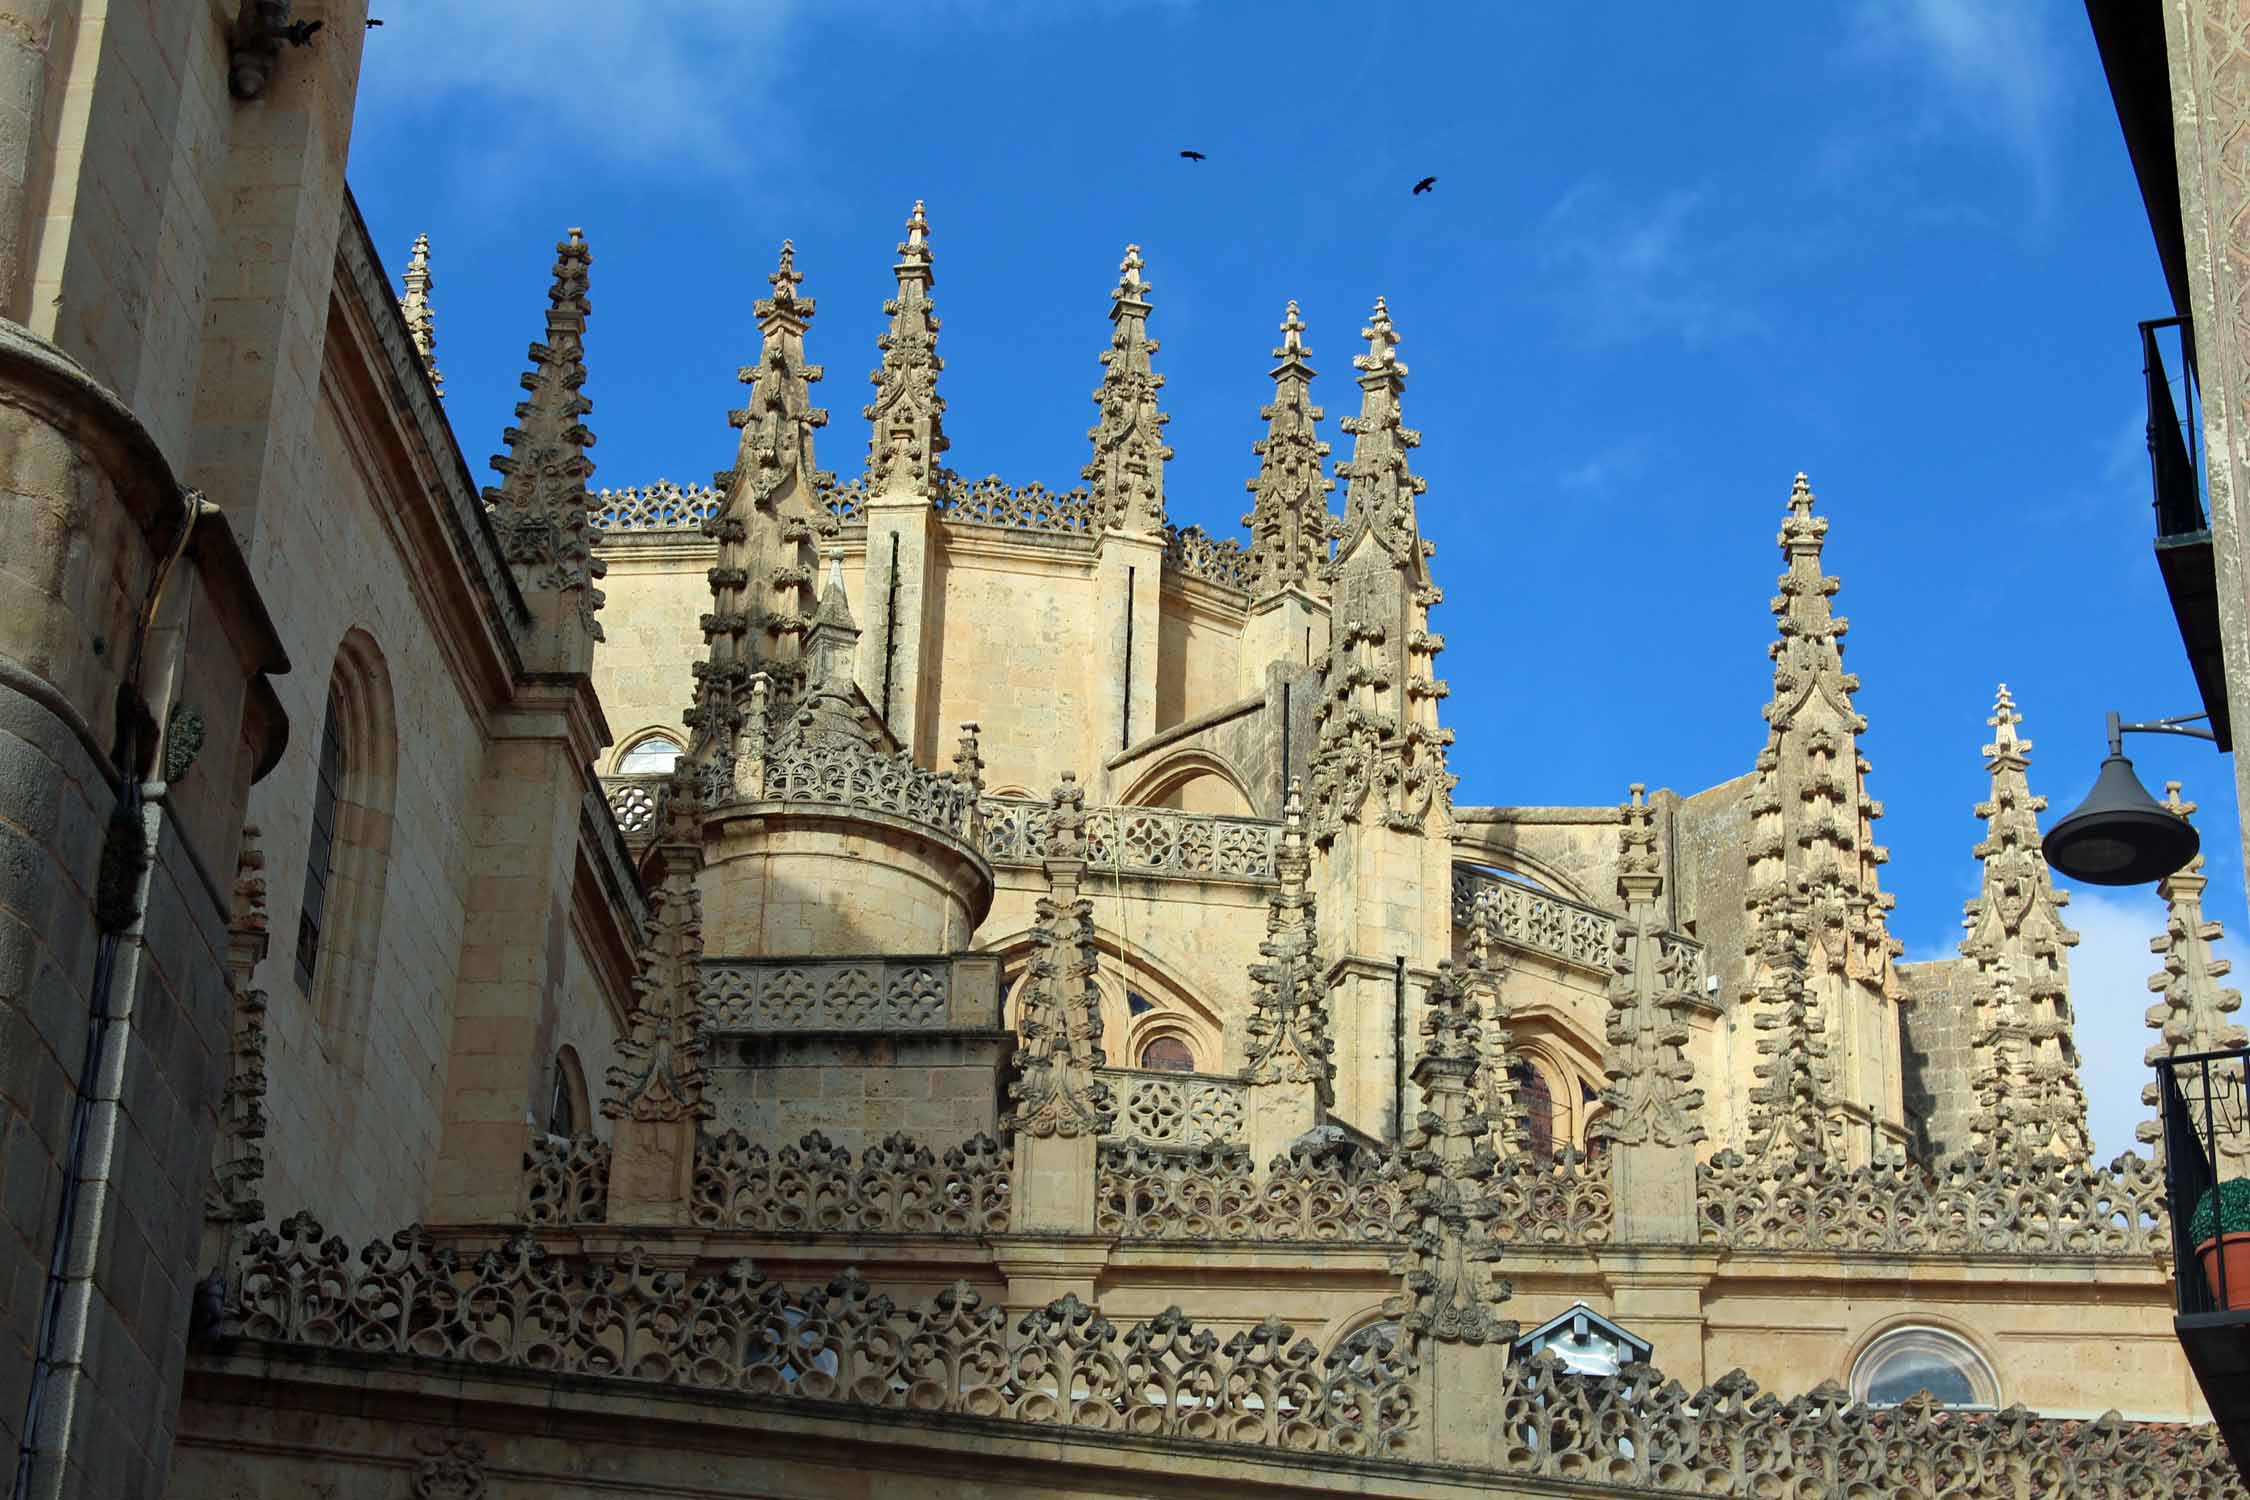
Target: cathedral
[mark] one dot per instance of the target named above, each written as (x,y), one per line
(861,981)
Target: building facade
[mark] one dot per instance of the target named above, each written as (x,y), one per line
(816,984)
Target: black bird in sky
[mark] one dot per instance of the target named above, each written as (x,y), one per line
(1192,155)
(374,21)
(1424,186)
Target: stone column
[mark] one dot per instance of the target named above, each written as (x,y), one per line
(31,38)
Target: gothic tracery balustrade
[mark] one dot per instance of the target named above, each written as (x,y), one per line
(992,501)
(1176,1109)
(659,507)
(1139,840)
(724,1327)
(1198,554)
(846,994)
(2028,1204)
(633,801)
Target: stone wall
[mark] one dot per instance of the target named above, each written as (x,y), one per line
(1939,1051)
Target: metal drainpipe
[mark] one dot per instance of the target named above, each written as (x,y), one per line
(125,813)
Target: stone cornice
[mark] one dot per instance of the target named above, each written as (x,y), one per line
(455,556)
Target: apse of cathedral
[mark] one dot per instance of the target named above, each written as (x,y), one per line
(833,981)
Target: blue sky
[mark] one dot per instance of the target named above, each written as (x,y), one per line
(1674,255)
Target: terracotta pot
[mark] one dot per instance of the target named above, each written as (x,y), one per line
(2236,1248)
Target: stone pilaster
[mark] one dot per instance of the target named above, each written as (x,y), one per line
(1649,1110)
(1382,806)
(901,592)
(656,1094)
(1058,1106)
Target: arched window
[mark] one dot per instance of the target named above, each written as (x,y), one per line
(567,1112)
(1168,1054)
(1536,1101)
(651,755)
(348,847)
(320,858)
(1908,1360)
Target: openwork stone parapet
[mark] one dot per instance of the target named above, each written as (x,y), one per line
(724,1328)
(727,1328)
(1177,1109)
(1195,553)
(1148,1192)
(1638,1430)
(1139,840)
(659,507)
(898,1187)
(633,802)
(1526,917)
(991,501)
(566,1181)
(848,777)
(1968,1204)
(843,994)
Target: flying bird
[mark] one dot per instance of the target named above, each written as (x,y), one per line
(374,21)
(1192,155)
(1424,186)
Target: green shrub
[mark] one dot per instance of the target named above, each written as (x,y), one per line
(2227,1206)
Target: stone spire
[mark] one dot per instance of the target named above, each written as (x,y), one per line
(1649,1098)
(907,412)
(1380,489)
(1445,1164)
(1288,1024)
(421,321)
(540,507)
(1812,840)
(1056,1091)
(762,598)
(1377,721)
(1127,472)
(2014,928)
(1790,1120)
(2191,1011)
(1290,526)
(655,1087)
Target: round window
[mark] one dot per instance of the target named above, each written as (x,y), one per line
(1906,1361)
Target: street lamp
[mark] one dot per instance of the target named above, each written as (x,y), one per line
(2120,835)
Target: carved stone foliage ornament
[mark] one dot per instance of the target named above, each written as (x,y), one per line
(1056,1090)
(1289,520)
(907,435)
(451,1468)
(658,1075)
(1650,1098)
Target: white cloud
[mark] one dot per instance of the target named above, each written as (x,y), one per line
(2109,972)
(1641,271)
(1996,64)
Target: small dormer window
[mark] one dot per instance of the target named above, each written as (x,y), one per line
(1585,1342)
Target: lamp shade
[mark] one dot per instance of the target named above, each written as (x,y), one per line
(2120,835)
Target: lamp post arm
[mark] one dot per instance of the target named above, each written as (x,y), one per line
(2179,724)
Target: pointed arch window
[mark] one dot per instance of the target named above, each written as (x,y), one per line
(1168,1054)
(651,755)
(347,864)
(320,858)
(1536,1099)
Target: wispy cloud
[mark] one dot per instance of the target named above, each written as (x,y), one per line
(1996,65)
(1618,463)
(696,83)
(1640,270)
